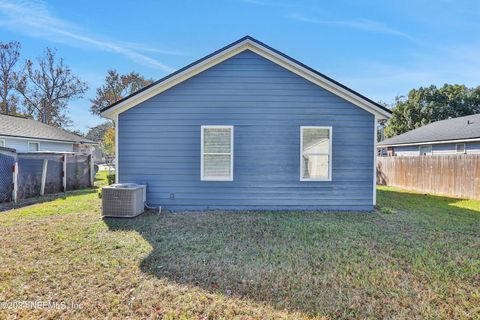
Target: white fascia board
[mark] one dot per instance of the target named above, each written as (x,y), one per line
(232,51)
(321,81)
(427,142)
(176,79)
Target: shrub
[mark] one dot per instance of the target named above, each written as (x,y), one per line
(111,178)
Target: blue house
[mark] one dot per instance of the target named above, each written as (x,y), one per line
(248,128)
(446,137)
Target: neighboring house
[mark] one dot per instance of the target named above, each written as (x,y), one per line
(27,135)
(248,128)
(452,136)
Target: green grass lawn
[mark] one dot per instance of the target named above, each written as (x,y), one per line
(417,257)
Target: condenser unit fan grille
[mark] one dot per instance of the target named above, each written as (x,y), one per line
(123,200)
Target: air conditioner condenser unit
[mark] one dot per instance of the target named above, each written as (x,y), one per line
(123,200)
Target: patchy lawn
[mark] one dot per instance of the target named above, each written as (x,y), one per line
(417,257)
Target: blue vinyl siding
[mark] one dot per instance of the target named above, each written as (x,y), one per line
(438,149)
(21,144)
(159,141)
(473,147)
(406,151)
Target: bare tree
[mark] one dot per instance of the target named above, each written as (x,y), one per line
(115,88)
(9,56)
(47,88)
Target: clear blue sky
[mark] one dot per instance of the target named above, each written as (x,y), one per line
(379,48)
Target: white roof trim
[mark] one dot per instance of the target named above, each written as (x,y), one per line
(426,142)
(44,139)
(223,55)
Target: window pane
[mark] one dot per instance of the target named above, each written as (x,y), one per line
(33,146)
(425,150)
(216,140)
(316,140)
(461,148)
(2,143)
(315,166)
(217,166)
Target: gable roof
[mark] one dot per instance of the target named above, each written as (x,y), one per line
(456,129)
(246,43)
(15,126)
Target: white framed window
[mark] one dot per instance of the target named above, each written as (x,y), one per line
(460,148)
(315,153)
(425,150)
(33,146)
(216,153)
(2,142)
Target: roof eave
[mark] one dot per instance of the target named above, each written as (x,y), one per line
(47,139)
(428,142)
(246,43)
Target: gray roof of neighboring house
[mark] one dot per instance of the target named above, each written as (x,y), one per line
(461,128)
(14,126)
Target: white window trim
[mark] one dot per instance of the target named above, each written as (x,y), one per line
(36,142)
(329,154)
(202,177)
(4,143)
(464,148)
(426,145)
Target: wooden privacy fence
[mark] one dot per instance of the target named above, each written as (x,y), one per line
(450,175)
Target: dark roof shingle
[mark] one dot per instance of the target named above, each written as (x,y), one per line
(15,126)
(467,127)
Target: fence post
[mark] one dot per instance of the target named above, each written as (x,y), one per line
(65,172)
(44,177)
(15,181)
(92,170)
